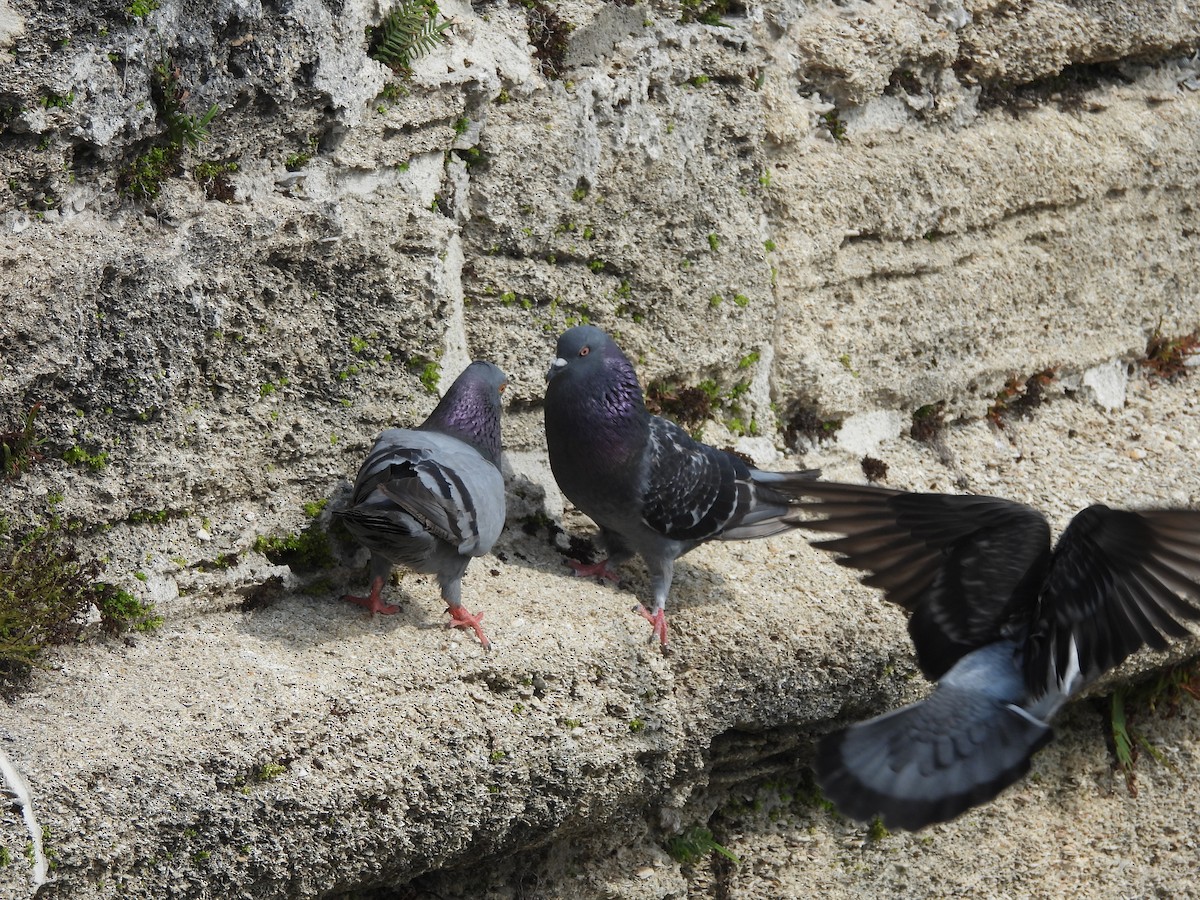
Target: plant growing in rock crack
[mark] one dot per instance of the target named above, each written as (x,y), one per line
(1164,692)
(46,591)
(19,446)
(695,844)
(406,33)
(1167,358)
(144,177)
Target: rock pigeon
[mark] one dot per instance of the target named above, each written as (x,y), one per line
(1009,628)
(652,489)
(432,497)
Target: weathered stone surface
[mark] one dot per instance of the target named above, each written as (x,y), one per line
(854,210)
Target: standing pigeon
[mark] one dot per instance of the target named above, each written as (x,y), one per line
(1009,629)
(431,497)
(652,489)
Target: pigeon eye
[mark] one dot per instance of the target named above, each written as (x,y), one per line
(585,351)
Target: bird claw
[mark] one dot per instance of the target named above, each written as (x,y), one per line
(372,604)
(658,620)
(600,570)
(460,617)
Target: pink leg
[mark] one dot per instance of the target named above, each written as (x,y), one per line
(461,617)
(372,601)
(658,620)
(600,569)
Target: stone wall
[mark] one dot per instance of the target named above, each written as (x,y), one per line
(832,212)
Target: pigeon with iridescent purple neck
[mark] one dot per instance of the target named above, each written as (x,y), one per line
(652,489)
(430,498)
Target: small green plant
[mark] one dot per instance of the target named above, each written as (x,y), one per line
(406,33)
(461,125)
(46,591)
(77,456)
(1167,358)
(58,101)
(741,300)
(19,447)
(270,771)
(144,177)
(877,831)
(1167,691)
(120,611)
(695,844)
(835,126)
(748,360)
(306,551)
(139,9)
(637,725)
(431,374)
(313,508)
(714,242)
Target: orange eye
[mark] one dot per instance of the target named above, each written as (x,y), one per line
(503,385)
(585,351)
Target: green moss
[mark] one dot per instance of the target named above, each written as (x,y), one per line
(714,242)
(306,551)
(637,725)
(120,611)
(79,456)
(139,9)
(271,771)
(313,508)
(431,374)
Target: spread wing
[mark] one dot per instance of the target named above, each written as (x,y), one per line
(1119,580)
(964,566)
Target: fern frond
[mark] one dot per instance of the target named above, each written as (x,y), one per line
(409,31)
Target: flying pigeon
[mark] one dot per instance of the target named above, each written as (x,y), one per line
(652,489)
(432,497)
(1009,628)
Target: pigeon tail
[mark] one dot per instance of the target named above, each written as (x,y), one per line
(931,761)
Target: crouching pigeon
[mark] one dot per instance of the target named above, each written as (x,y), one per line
(1009,629)
(432,497)
(652,489)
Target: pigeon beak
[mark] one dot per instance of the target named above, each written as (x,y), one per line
(555,367)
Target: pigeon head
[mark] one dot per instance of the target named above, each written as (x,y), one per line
(591,376)
(585,352)
(470,411)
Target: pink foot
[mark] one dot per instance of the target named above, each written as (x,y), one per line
(461,617)
(372,601)
(658,620)
(600,569)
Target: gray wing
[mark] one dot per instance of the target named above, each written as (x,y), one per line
(455,494)
(933,760)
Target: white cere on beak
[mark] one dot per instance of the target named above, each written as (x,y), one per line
(558,364)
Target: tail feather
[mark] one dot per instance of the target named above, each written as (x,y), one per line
(930,761)
(770,510)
